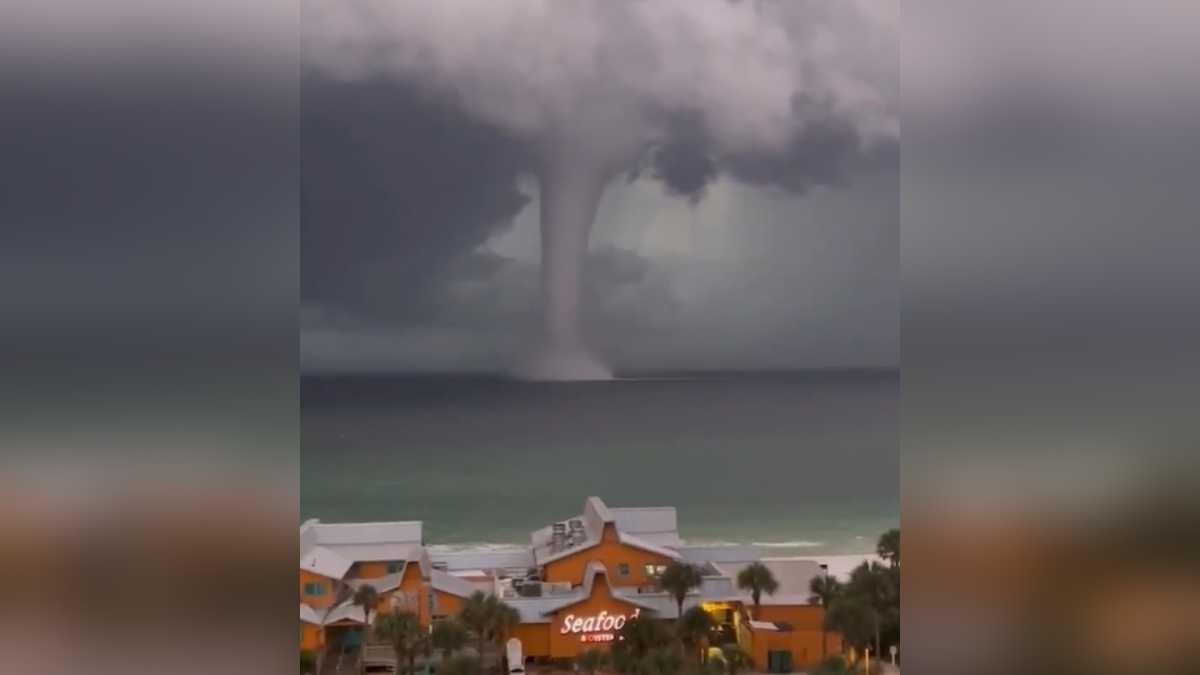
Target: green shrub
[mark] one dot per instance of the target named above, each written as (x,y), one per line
(591,660)
(308,661)
(665,660)
(460,664)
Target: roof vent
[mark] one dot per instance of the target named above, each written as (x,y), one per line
(558,537)
(530,590)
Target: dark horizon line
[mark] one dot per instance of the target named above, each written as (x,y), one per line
(618,377)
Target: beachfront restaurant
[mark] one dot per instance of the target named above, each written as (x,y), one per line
(574,586)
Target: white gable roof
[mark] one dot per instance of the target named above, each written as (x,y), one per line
(348,611)
(639,542)
(339,534)
(448,583)
(656,524)
(309,615)
(379,552)
(793,574)
(321,560)
(329,549)
(382,584)
(596,514)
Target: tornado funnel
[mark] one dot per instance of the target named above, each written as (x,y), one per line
(571,185)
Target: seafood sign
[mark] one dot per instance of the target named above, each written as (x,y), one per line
(597,627)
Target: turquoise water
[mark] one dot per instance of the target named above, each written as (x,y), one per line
(806,462)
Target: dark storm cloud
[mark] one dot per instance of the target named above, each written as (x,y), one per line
(123,188)
(399,185)
(685,161)
(419,122)
(401,189)
(395,186)
(828,152)
(684,167)
(825,150)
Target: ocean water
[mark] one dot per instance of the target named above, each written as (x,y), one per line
(804,462)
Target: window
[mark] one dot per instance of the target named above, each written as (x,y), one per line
(394,567)
(623,569)
(655,570)
(314,589)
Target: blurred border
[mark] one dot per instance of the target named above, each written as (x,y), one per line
(148,277)
(1048,239)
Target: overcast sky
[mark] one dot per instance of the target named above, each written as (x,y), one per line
(736,247)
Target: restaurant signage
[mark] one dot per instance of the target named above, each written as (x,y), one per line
(597,627)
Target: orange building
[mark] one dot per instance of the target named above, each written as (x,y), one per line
(337,559)
(574,586)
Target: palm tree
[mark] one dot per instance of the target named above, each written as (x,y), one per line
(591,660)
(868,583)
(889,606)
(341,595)
(489,619)
(888,547)
(825,590)
(402,630)
(693,628)
(678,579)
(475,615)
(367,597)
(503,619)
(449,635)
(757,578)
(735,658)
(853,617)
